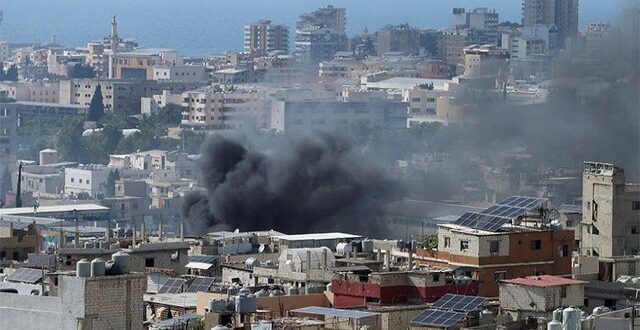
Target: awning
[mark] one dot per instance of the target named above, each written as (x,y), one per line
(199,265)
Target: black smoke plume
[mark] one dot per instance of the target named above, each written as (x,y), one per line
(313,184)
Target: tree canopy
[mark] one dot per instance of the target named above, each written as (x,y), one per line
(96,108)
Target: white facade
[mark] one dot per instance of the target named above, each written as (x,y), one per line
(154,104)
(88,179)
(190,73)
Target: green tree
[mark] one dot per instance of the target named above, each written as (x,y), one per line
(430,242)
(6,185)
(110,185)
(170,115)
(12,73)
(68,140)
(96,108)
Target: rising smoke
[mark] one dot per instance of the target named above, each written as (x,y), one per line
(315,183)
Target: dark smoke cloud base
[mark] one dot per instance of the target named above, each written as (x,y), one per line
(312,184)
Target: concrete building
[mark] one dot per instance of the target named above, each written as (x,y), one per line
(103,302)
(181,73)
(18,239)
(309,116)
(139,64)
(598,36)
(484,60)
(119,96)
(89,180)
(320,34)
(563,14)
(482,26)
(352,290)
(156,103)
(451,43)
(535,295)
(263,37)
(610,212)
(398,38)
(43,180)
(31,91)
(224,108)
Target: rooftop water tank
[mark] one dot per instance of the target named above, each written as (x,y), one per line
(122,260)
(83,268)
(276,292)
(600,310)
(557,315)
(262,293)
(97,267)
(89,245)
(251,262)
(486,317)
(367,246)
(571,319)
(292,291)
(269,263)
(246,304)
(245,291)
(554,325)
(329,287)
(312,288)
(636,280)
(217,305)
(343,249)
(219,327)
(232,290)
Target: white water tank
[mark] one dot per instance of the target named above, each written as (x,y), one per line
(367,246)
(245,291)
(97,267)
(600,310)
(246,303)
(83,268)
(571,319)
(554,325)
(217,305)
(557,315)
(122,260)
(329,287)
(262,293)
(251,262)
(343,249)
(486,317)
(219,327)
(293,291)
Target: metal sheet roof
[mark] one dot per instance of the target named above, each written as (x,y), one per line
(352,314)
(316,236)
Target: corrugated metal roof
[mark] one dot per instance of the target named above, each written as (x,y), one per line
(543,281)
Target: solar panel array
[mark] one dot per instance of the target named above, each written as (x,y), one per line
(26,275)
(494,217)
(203,258)
(458,302)
(172,285)
(200,284)
(437,318)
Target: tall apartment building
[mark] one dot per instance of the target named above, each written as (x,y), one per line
(398,38)
(482,25)
(610,212)
(217,108)
(321,33)
(119,96)
(139,64)
(263,37)
(8,140)
(451,43)
(563,14)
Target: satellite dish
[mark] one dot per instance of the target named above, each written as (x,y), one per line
(237,231)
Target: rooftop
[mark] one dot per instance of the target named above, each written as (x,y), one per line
(53,209)
(543,281)
(352,314)
(316,236)
(408,83)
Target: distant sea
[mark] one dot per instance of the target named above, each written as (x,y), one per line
(202,27)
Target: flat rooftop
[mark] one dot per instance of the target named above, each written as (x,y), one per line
(543,281)
(52,209)
(316,236)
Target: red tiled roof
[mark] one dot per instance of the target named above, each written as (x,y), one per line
(543,280)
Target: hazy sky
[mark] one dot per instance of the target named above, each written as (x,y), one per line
(199,27)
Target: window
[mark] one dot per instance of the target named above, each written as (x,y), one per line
(72,180)
(80,180)
(563,291)
(436,277)
(149,262)
(447,242)
(565,250)
(464,245)
(594,230)
(498,276)
(634,229)
(536,244)
(494,247)
(635,205)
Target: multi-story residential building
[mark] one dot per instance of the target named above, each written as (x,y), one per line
(18,239)
(451,43)
(4,51)
(522,48)
(309,116)
(597,37)
(398,38)
(89,179)
(493,252)
(32,91)
(223,108)
(140,63)
(610,212)
(60,62)
(119,96)
(482,25)
(183,73)
(43,180)
(155,104)
(263,37)
(321,33)
(563,14)
(484,60)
